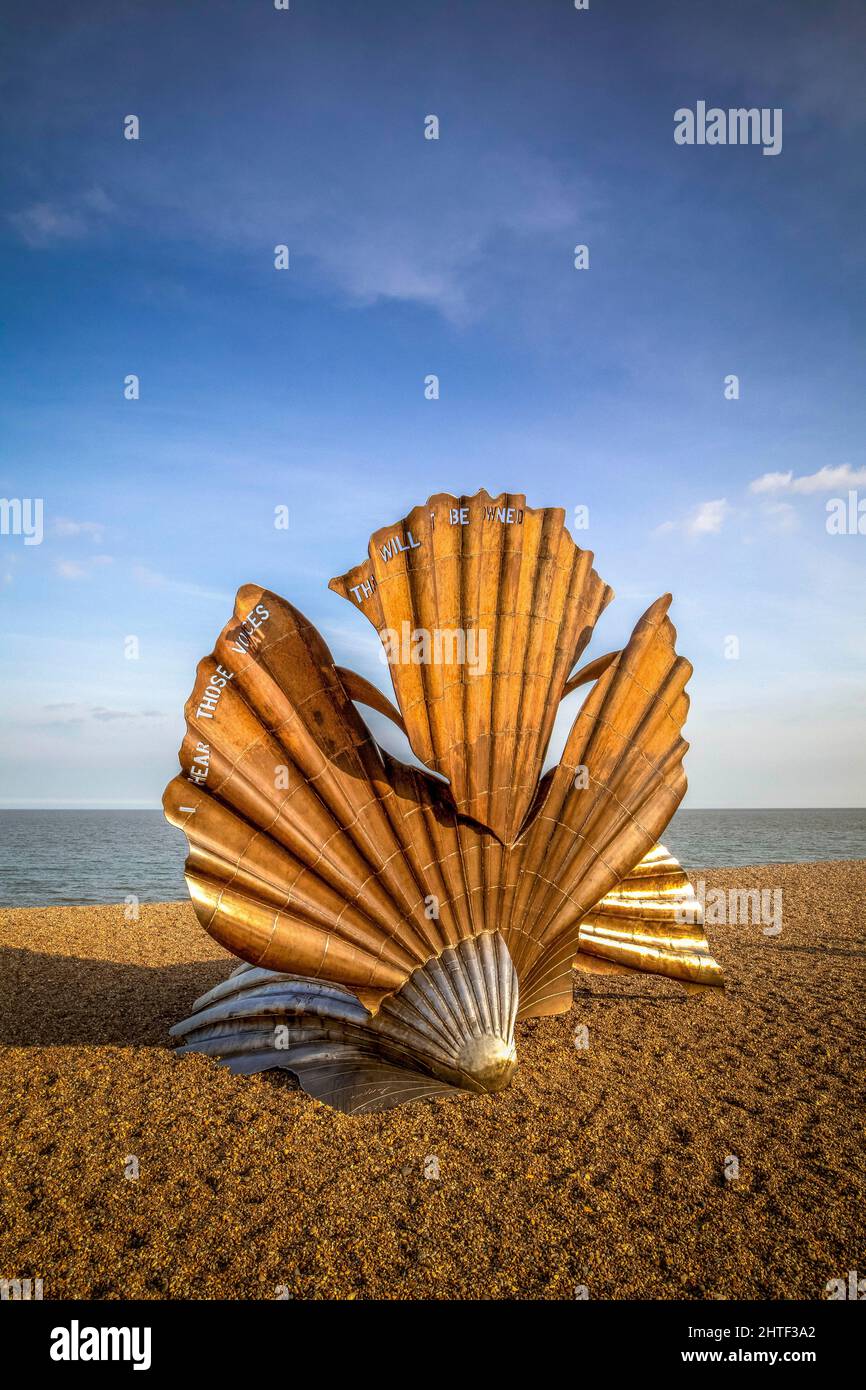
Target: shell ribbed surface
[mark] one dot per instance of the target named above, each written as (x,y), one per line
(387,926)
(451,1026)
(652,922)
(508,582)
(458,1013)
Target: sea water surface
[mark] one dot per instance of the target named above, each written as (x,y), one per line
(52,857)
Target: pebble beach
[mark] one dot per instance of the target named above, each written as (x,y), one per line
(700,1147)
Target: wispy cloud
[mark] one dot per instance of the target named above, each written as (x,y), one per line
(107,715)
(825,480)
(82,569)
(152,579)
(65,526)
(422,232)
(45,222)
(436,251)
(63,713)
(781,516)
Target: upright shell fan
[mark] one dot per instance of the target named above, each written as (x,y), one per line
(395,925)
(512,602)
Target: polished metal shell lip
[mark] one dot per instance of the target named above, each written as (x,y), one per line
(489,1062)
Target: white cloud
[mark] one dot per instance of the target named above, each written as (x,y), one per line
(825,480)
(771,482)
(708,518)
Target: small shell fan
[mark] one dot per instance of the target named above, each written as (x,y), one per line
(394,926)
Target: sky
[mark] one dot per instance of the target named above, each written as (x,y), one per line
(304,388)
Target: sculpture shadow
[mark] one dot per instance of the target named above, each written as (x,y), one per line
(64,1001)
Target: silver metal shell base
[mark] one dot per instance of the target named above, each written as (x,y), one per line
(451,1027)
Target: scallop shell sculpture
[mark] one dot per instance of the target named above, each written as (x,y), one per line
(394,924)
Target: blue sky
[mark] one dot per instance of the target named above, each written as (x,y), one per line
(602,387)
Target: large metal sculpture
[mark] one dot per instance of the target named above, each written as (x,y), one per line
(394,923)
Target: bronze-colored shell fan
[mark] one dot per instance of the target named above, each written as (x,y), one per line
(394,923)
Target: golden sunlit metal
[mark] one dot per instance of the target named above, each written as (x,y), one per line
(395,922)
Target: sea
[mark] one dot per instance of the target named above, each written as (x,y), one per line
(54,857)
